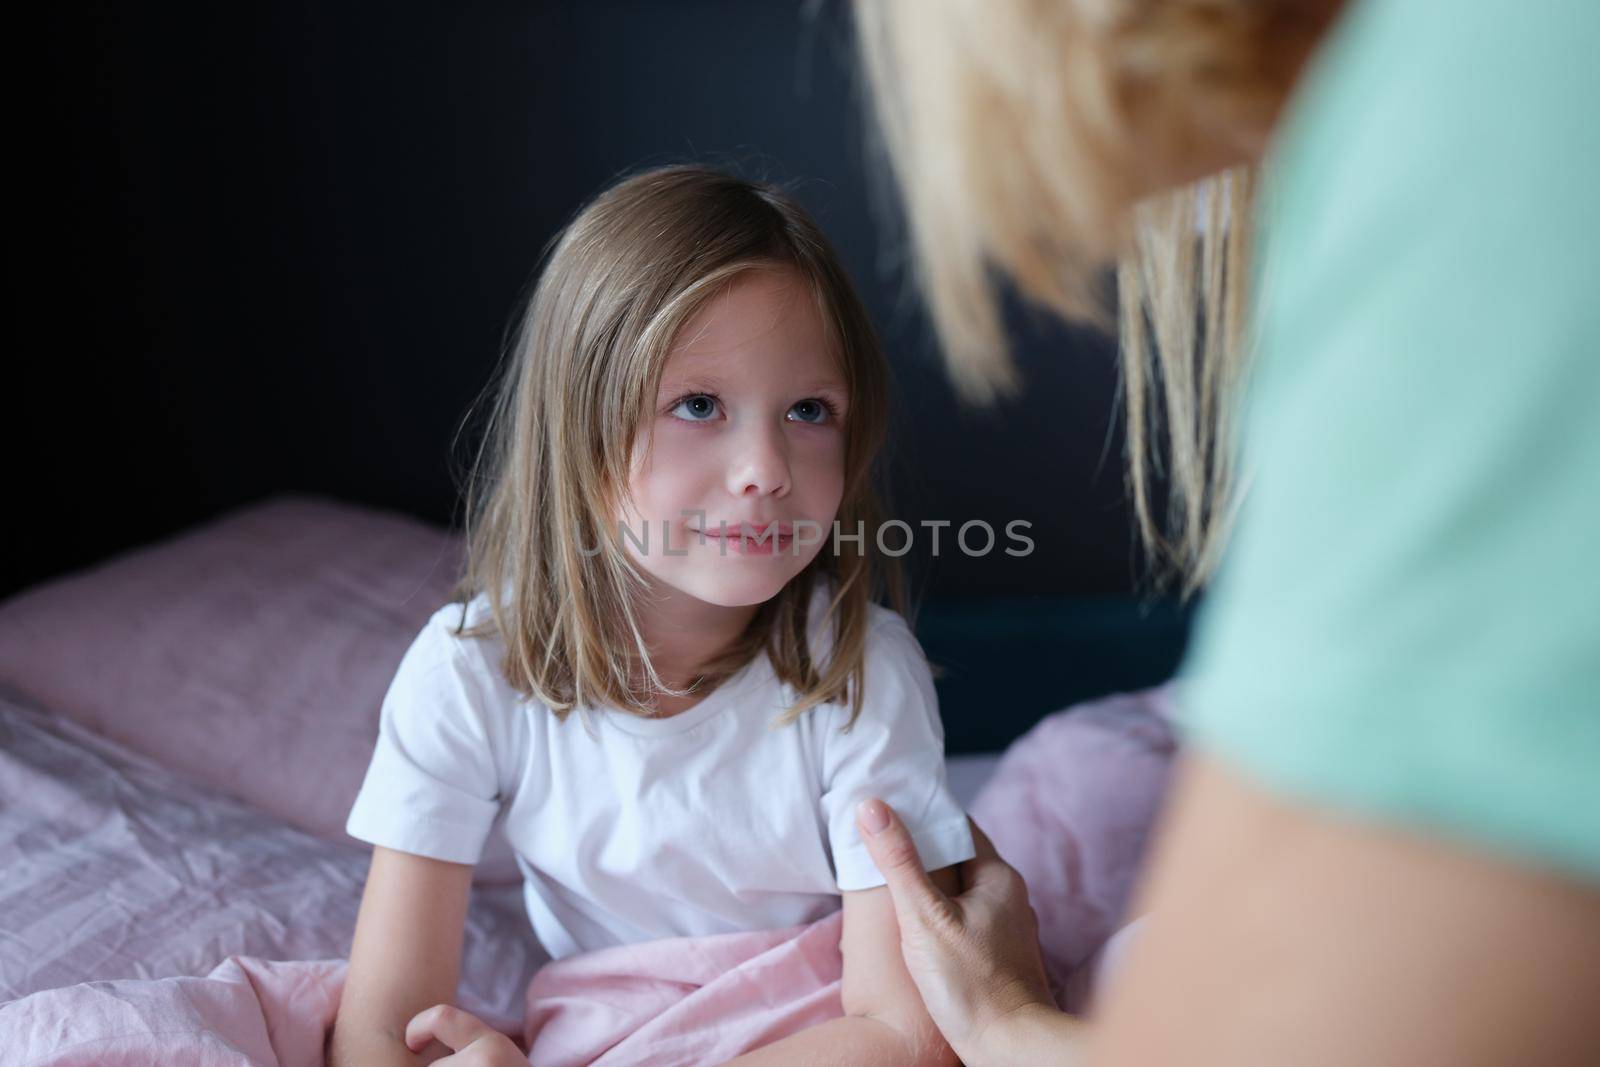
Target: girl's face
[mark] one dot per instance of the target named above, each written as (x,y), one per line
(747,431)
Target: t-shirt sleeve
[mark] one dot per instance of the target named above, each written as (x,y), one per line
(1407,626)
(432,787)
(894,751)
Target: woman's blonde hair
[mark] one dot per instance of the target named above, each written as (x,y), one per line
(1047,138)
(579,381)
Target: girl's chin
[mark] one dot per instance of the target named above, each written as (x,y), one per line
(732,590)
(740,594)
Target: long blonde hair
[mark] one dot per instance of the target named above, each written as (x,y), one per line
(1047,138)
(581,374)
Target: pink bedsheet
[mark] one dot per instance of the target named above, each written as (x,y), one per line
(114,868)
(1070,805)
(685,1001)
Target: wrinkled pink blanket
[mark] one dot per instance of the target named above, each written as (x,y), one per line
(1071,806)
(680,1001)
(689,1000)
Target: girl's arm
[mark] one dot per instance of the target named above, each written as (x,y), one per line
(406,957)
(885,1022)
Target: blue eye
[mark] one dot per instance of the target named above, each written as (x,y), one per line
(697,407)
(813,410)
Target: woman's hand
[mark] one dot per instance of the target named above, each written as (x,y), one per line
(473,1042)
(974,957)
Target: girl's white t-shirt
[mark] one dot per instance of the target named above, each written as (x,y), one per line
(629,829)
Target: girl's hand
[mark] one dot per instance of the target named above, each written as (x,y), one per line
(473,1042)
(975,957)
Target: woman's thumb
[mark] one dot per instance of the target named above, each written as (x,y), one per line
(891,848)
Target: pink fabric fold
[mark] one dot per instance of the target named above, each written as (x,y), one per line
(678,1001)
(1071,806)
(245,1013)
(684,1000)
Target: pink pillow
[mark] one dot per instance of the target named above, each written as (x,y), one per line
(1071,805)
(251,653)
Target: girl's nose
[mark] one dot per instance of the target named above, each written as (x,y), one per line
(760,464)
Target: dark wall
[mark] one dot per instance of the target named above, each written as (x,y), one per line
(274,247)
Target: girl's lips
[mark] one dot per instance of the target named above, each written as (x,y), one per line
(751,529)
(748,545)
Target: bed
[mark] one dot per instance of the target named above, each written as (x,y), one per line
(184,726)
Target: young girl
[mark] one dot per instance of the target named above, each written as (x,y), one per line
(667,681)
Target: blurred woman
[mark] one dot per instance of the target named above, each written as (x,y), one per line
(1358,266)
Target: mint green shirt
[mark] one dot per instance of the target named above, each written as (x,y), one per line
(1407,625)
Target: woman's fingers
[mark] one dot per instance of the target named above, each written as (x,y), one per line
(891,848)
(974,957)
(446,1024)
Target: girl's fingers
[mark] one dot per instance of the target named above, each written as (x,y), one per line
(447,1024)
